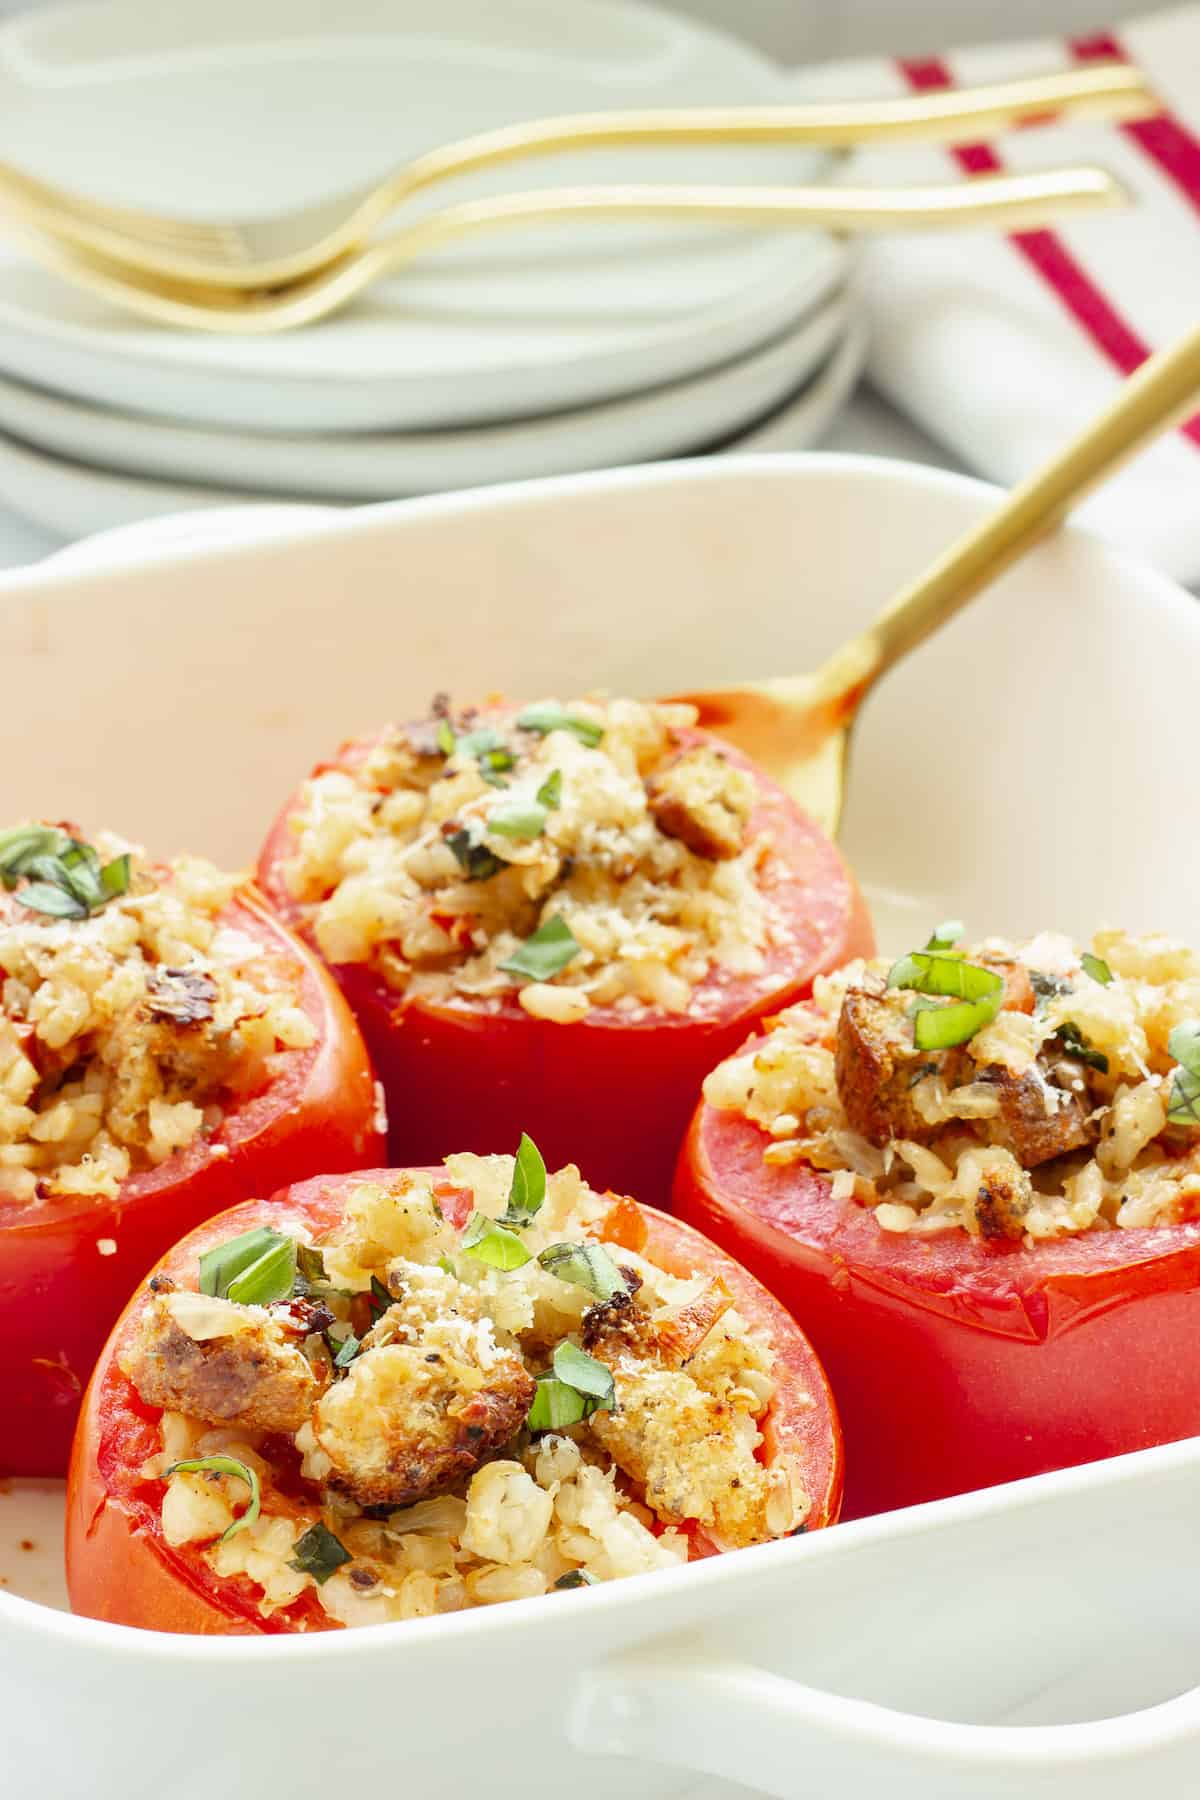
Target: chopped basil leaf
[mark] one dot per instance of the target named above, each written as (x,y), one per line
(528,1188)
(380,1298)
(581,1371)
(488,1242)
(1183,1104)
(224,1465)
(551,948)
(271,1277)
(931,972)
(479,862)
(347,1350)
(556,1404)
(224,1262)
(575,1578)
(445,738)
(446,1265)
(62,874)
(1096,967)
(942,1027)
(1048,987)
(22,844)
(546,717)
(578,1387)
(519,819)
(480,742)
(57,902)
(114,877)
(549,794)
(319,1554)
(310,1269)
(1077,1045)
(1184,1045)
(587,1266)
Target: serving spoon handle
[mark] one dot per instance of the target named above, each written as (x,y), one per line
(798,727)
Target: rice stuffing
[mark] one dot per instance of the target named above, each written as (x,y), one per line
(1063,1098)
(438,1418)
(133,1013)
(578,855)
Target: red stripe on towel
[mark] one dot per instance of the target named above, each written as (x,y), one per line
(1046,252)
(1165,140)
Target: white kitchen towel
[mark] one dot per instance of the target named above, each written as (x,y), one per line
(1002,347)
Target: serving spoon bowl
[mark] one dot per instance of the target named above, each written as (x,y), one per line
(799,727)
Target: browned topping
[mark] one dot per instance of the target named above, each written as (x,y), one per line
(1001,1205)
(183,996)
(399,1429)
(252,1375)
(703,801)
(1037,1119)
(877,1066)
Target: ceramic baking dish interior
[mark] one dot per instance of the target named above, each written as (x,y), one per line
(1016,774)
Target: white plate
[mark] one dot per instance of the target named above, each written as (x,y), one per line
(73,499)
(667,421)
(215,107)
(1031,1643)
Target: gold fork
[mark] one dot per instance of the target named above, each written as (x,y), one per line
(264,253)
(998,202)
(799,727)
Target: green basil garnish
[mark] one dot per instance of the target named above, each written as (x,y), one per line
(1077,1045)
(1183,1104)
(488,1242)
(224,1465)
(63,876)
(475,858)
(379,1299)
(545,717)
(528,1189)
(587,1266)
(225,1262)
(937,970)
(319,1554)
(575,1578)
(578,1387)
(549,794)
(271,1277)
(446,741)
(519,819)
(549,950)
(347,1349)
(1096,967)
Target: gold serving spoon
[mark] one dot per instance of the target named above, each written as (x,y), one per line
(798,728)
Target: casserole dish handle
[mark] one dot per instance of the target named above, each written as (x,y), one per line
(772,1735)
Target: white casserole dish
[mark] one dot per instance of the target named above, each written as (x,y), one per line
(1032,1640)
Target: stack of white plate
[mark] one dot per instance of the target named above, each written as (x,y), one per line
(547,352)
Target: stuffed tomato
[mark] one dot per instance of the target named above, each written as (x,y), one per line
(977,1180)
(164,1043)
(557,918)
(384,1396)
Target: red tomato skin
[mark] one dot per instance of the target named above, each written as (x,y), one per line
(612,1092)
(60,1293)
(957,1365)
(120,1568)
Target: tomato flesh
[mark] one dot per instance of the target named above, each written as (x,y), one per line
(614,1091)
(119,1566)
(67,1264)
(959,1364)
